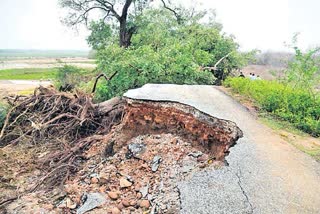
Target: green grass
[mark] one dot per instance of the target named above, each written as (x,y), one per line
(279,125)
(29,74)
(286,103)
(3,112)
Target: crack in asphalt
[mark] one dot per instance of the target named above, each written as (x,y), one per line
(179,198)
(243,191)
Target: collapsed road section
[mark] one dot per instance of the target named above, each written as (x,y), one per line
(206,133)
(120,156)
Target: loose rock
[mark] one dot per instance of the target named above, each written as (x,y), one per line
(125,183)
(133,203)
(115,210)
(113,195)
(155,163)
(135,150)
(144,204)
(70,204)
(144,191)
(125,203)
(94,180)
(93,200)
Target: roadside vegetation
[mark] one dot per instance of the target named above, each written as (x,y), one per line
(164,51)
(165,44)
(292,98)
(3,113)
(28,74)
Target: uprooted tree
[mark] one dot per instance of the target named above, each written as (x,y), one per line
(159,43)
(67,125)
(121,12)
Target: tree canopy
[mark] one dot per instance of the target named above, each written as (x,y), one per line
(144,43)
(120,13)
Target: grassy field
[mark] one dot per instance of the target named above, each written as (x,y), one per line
(29,74)
(5,53)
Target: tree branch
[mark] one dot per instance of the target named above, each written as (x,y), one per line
(105,77)
(178,16)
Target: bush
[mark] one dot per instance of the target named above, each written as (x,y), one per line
(142,65)
(3,113)
(68,77)
(295,105)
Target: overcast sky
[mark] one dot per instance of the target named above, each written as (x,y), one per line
(261,24)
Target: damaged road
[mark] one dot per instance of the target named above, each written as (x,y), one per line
(192,151)
(265,174)
(119,156)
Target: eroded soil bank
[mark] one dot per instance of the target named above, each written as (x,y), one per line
(131,168)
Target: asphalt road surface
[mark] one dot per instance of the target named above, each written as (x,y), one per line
(265,174)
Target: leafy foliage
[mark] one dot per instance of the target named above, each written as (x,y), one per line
(68,77)
(3,113)
(164,51)
(100,35)
(289,103)
(304,70)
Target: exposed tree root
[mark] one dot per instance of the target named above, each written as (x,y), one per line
(67,123)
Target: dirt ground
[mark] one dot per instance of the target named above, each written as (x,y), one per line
(14,87)
(46,62)
(132,168)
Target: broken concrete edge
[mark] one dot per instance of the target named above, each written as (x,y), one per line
(144,116)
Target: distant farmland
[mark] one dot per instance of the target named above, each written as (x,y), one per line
(12,53)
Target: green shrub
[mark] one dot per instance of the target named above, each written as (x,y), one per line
(142,65)
(68,77)
(164,51)
(295,105)
(3,113)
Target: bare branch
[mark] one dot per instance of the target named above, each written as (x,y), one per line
(177,15)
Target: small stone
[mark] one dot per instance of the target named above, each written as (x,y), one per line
(120,206)
(113,195)
(144,204)
(144,191)
(94,180)
(139,195)
(202,165)
(155,163)
(136,150)
(137,187)
(48,207)
(115,210)
(174,141)
(133,203)
(143,166)
(203,158)
(125,183)
(70,204)
(102,189)
(125,203)
(103,181)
